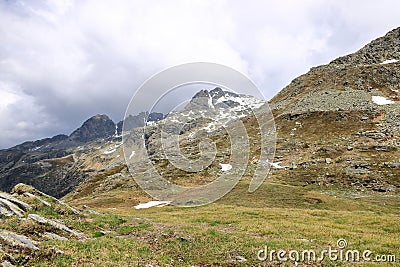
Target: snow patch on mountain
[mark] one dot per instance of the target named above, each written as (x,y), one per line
(112,149)
(245,102)
(133,153)
(225,167)
(210,102)
(380,100)
(389,61)
(108,152)
(152,204)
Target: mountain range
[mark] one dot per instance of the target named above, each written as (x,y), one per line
(337,126)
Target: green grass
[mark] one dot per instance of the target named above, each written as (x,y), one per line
(220,233)
(178,237)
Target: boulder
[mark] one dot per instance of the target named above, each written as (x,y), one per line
(23,188)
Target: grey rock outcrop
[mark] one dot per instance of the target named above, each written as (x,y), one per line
(11,208)
(33,192)
(57,225)
(14,239)
(53,236)
(6,264)
(44,202)
(22,205)
(5,212)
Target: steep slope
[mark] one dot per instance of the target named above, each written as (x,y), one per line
(384,49)
(349,82)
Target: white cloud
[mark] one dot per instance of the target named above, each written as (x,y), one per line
(68,60)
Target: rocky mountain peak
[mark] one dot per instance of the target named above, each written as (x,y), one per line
(201,93)
(216,98)
(98,126)
(385,49)
(215,94)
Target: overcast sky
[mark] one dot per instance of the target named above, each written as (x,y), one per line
(64,61)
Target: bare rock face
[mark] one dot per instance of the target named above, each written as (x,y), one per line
(138,120)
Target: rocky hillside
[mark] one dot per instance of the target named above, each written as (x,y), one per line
(385,49)
(25,225)
(360,81)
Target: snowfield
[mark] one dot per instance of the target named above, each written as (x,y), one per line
(389,61)
(152,204)
(380,100)
(132,154)
(225,167)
